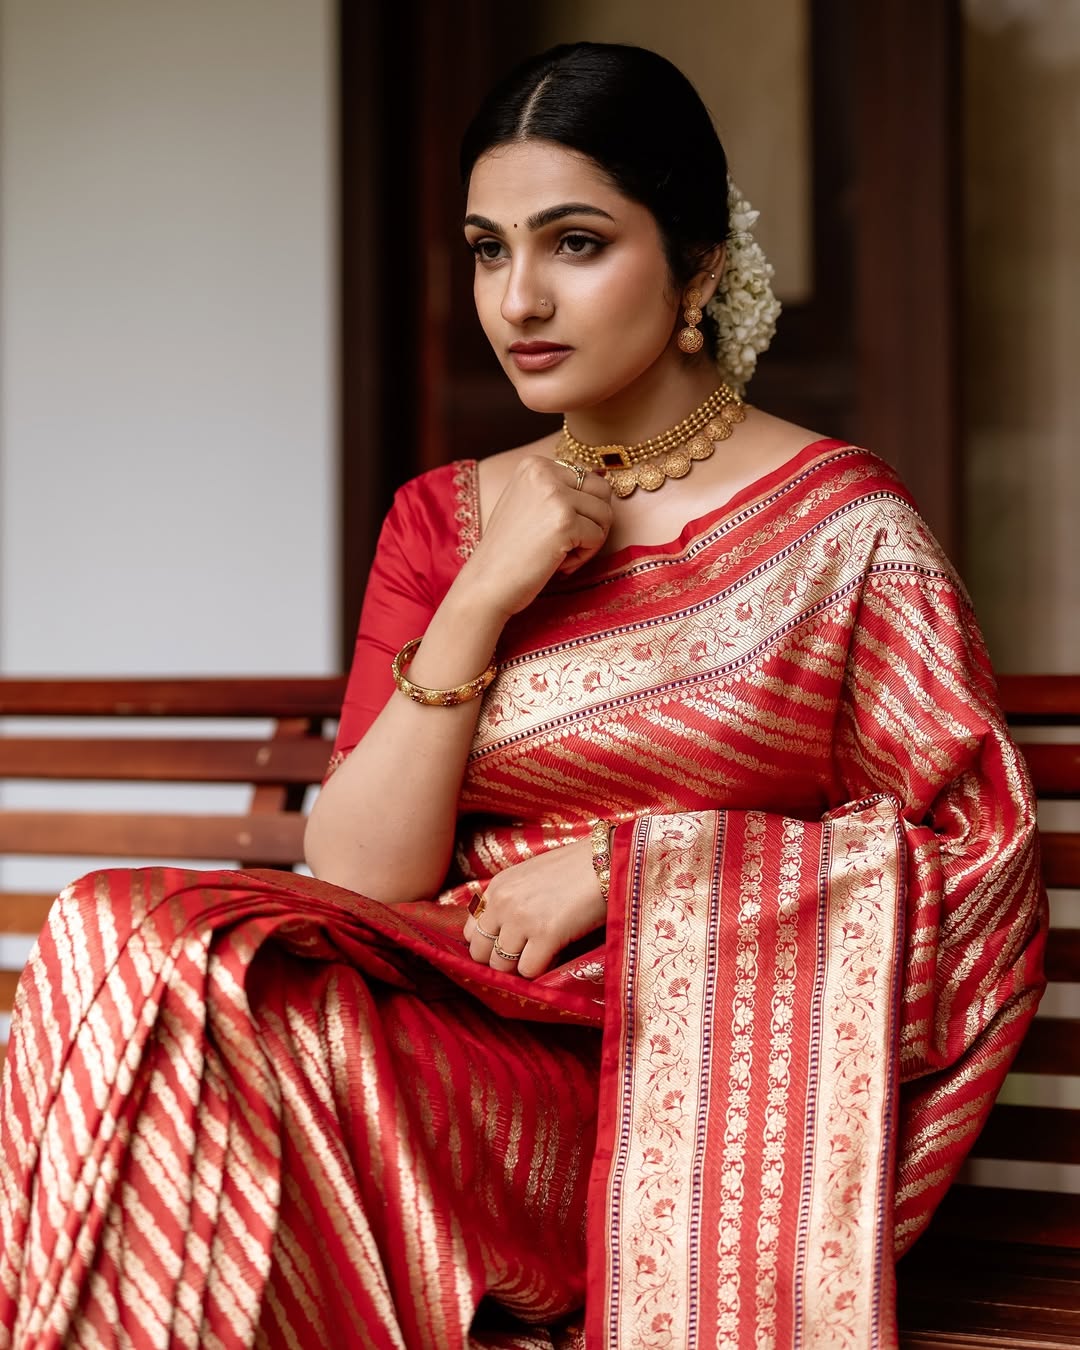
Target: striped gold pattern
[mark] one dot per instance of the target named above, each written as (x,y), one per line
(253,1109)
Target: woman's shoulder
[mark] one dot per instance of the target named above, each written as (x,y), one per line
(490,470)
(832,478)
(493,472)
(449,496)
(437,510)
(847,482)
(777,444)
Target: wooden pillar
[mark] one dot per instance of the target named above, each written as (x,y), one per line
(418,383)
(380,307)
(908,75)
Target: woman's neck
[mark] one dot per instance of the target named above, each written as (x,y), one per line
(646,408)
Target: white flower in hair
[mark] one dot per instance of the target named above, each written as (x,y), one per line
(744,307)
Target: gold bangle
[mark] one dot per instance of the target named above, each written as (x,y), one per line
(601,856)
(437,698)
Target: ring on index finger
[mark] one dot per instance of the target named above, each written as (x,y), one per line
(491,937)
(477,900)
(578,470)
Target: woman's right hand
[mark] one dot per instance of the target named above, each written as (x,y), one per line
(540,525)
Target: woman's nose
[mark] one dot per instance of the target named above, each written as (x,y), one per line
(523,298)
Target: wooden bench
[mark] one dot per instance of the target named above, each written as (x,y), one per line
(1000,1267)
(47,739)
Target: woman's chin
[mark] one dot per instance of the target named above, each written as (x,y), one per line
(539,395)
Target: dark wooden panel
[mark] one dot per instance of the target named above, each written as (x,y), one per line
(1060,859)
(1031,1133)
(305,696)
(1050,699)
(975,1290)
(165,760)
(1063,955)
(909,176)
(263,838)
(21,912)
(995,1214)
(1052,1045)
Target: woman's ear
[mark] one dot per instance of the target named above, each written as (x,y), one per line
(712,269)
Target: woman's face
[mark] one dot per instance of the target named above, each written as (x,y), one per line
(572,285)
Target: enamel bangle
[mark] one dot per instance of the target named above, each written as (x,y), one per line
(437,698)
(601,856)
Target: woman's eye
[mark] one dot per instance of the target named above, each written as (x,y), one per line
(487,250)
(580,245)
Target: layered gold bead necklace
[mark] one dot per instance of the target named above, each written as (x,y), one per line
(670,455)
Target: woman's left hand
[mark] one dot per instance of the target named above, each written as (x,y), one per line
(536,908)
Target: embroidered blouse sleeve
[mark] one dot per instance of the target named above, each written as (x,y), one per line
(427,535)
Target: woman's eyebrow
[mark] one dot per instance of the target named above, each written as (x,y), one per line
(539,219)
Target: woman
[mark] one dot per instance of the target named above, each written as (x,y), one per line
(700,730)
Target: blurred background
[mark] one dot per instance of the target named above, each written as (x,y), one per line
(235,304)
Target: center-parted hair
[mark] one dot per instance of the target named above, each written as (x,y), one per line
(638,118)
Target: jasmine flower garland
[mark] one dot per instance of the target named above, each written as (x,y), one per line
(744,307)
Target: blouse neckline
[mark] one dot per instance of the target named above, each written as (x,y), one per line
(768,483)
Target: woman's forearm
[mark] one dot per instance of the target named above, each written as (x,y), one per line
(384,823)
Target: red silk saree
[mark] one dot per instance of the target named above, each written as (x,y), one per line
(254,1109)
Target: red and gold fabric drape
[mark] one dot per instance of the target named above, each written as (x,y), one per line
(252,1109)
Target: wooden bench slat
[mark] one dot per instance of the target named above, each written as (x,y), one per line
(23,911)
(1052,700)
(9,980)
(1060,859)
(1052,1045)
(97,834)
(1030,1134)
(304,696)
(1063,955)
(1055,769)
(165,760)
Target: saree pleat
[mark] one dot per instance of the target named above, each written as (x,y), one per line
(250,1109)
(246,1140)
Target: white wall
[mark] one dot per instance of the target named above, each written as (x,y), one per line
(167,280)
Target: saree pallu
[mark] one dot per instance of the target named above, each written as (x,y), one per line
(242,1108)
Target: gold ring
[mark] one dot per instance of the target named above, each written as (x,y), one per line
(491,937)
(477,899)
(508,956)
(578,470)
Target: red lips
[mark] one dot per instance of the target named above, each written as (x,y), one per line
(538,355)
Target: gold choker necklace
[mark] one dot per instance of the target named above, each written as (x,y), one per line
(632,466)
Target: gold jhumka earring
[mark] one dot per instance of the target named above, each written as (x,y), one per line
(690,339)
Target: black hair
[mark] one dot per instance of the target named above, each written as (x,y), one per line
(638,118)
